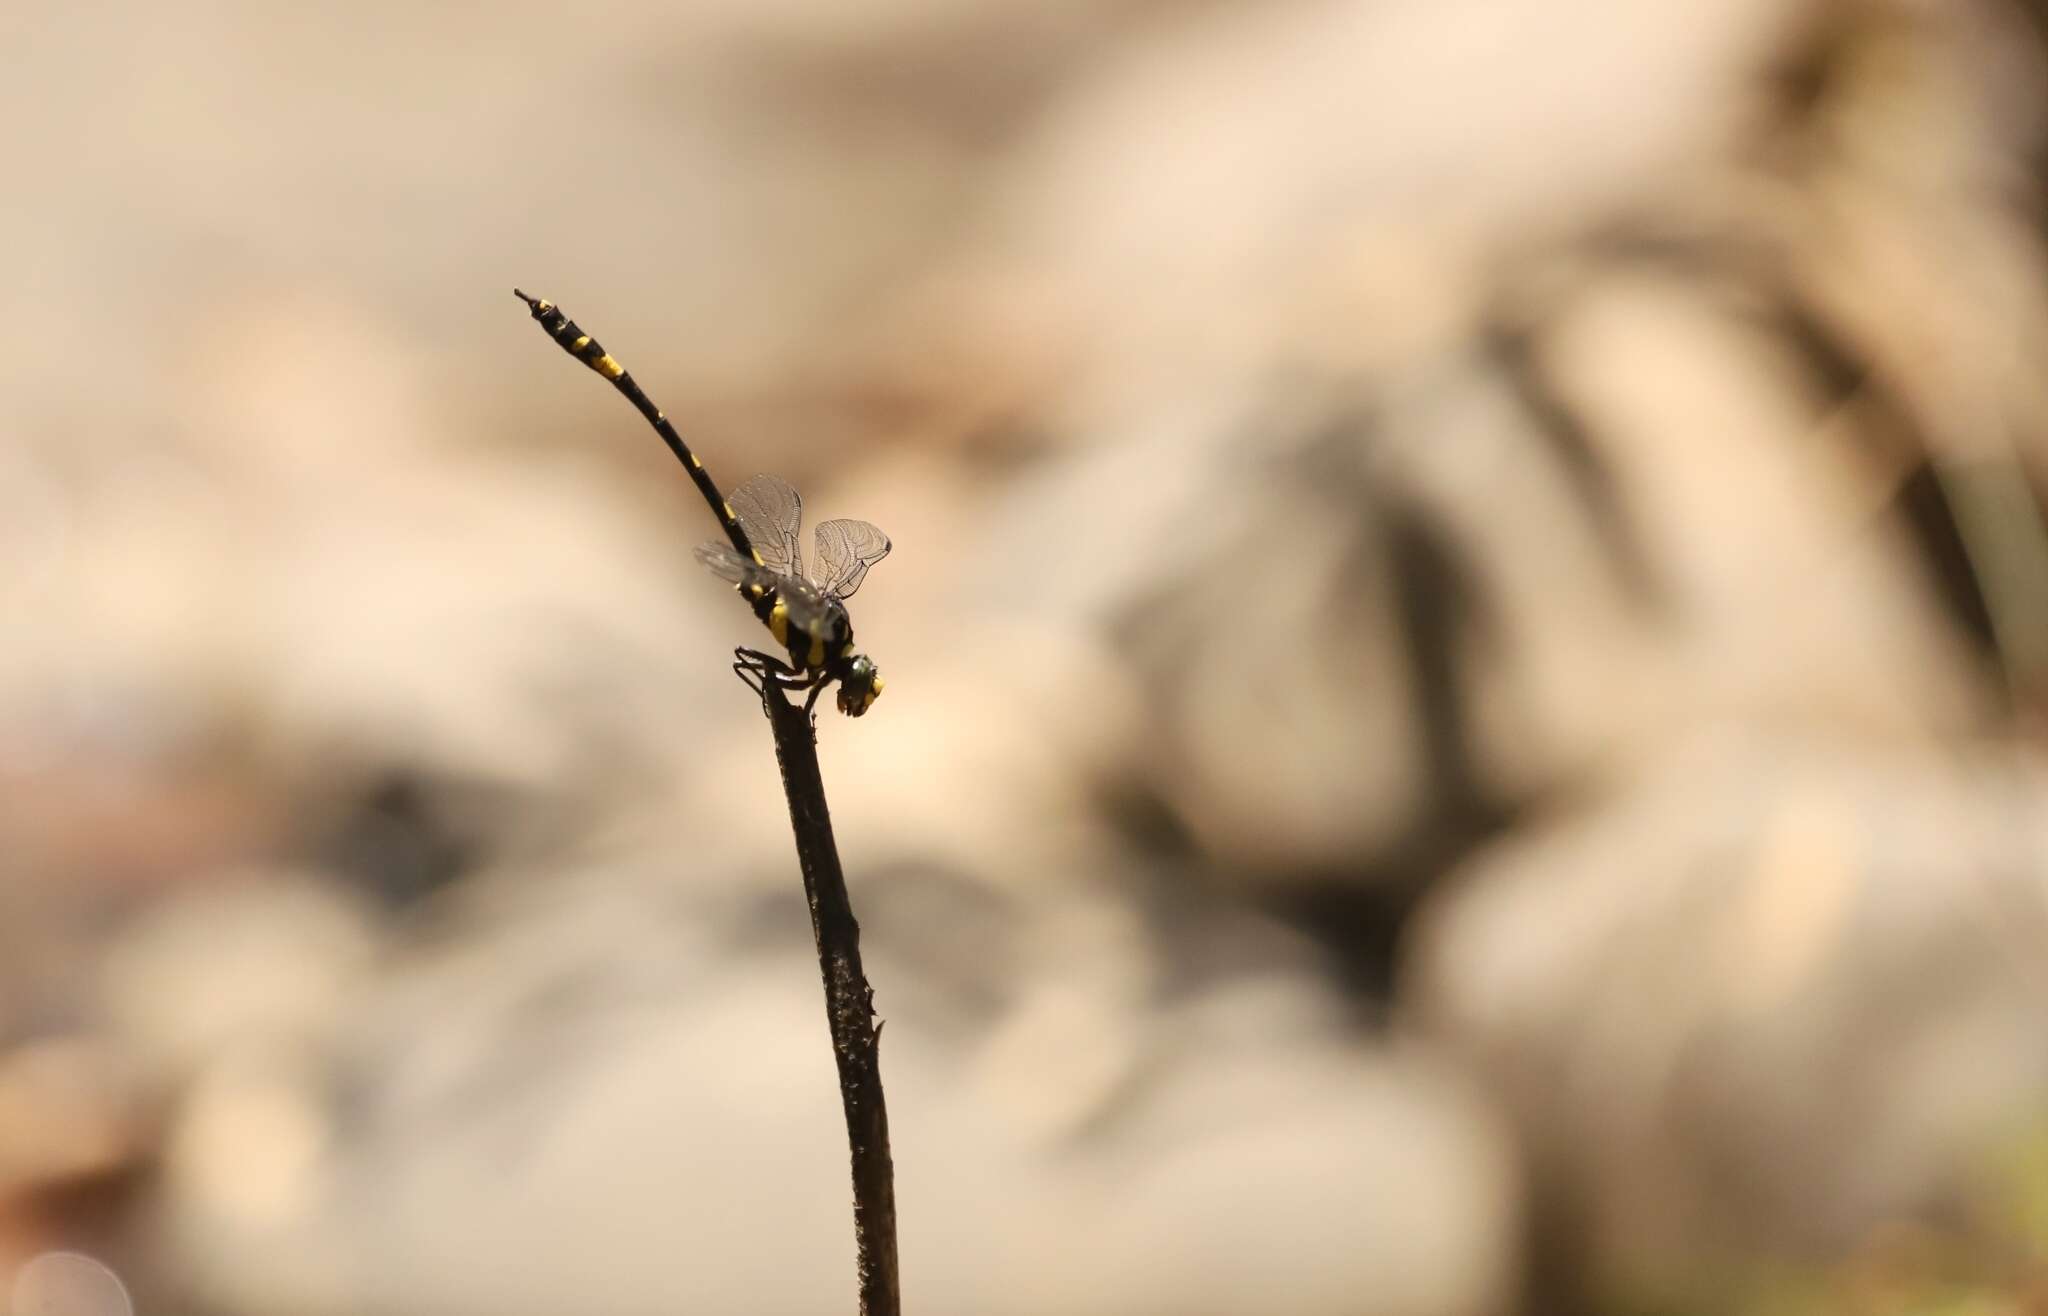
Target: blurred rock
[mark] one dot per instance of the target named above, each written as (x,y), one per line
(652,1105)
(1754,1001)
(1658,536)
(72,1109)
(260,956)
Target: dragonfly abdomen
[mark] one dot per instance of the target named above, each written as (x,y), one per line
(569,336)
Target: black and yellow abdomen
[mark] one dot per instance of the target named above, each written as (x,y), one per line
(573,340)
(591,353)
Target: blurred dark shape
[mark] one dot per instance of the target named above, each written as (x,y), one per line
(402,838)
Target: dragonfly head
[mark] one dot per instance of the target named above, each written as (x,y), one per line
(859,685)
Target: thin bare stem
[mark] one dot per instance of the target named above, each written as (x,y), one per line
(849,1003)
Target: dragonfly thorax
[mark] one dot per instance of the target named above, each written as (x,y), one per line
(815,637)
(820,641)
(802,605)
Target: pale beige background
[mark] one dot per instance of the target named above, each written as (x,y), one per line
(1464,651)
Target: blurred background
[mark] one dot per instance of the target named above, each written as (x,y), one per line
(1466,653)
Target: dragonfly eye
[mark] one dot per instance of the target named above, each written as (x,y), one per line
(859,687)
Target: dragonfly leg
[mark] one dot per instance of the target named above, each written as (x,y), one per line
(766,664)
(760,670)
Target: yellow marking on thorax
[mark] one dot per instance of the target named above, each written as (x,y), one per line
(607,367)
(778,622)
(817,654)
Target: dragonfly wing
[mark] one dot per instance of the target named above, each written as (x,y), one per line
(809,608)
(726,563)
(846,549)
(772,513)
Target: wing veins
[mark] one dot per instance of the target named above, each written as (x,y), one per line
(845,550)
(772,513)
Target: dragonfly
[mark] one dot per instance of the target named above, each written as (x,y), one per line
(803,608)
(803,605)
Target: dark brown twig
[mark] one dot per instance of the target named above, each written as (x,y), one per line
(849,1003)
